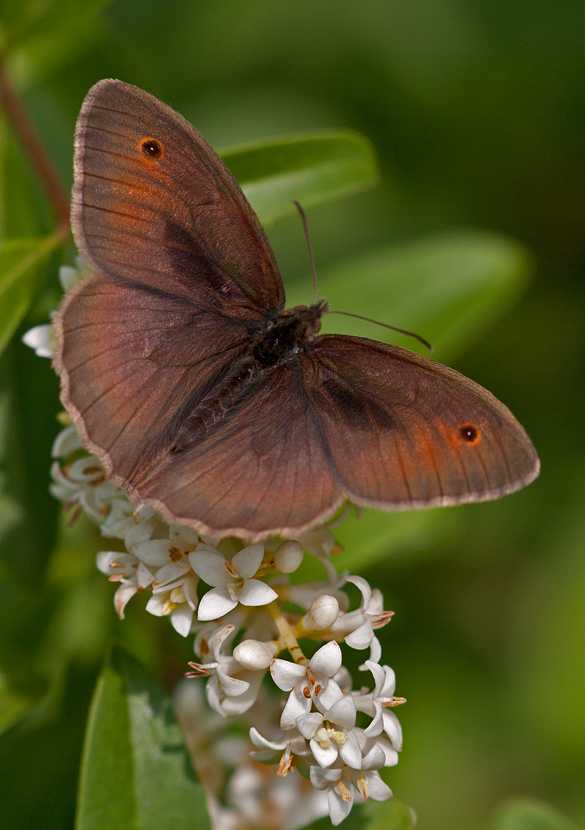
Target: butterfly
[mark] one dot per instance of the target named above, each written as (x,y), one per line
(203,395)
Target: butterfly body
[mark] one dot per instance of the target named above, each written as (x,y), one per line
(203,395)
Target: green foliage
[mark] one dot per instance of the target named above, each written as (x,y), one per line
(529,814)
(21,273)
(136,772)
(312,169)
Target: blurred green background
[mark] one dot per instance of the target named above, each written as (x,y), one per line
(477,111)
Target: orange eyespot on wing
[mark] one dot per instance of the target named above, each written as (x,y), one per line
(469,434)
(151,148)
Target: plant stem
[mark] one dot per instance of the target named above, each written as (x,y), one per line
(35,150)
(286,634)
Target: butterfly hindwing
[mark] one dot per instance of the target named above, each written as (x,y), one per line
(264,469)
(404,431)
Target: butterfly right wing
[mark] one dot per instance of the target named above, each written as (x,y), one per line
(134,364)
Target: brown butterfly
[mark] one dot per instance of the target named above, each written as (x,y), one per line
(203,395)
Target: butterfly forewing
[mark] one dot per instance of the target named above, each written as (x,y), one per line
(405,432)
(154,204)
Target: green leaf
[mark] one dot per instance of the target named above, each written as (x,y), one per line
(313,168)
(136,772)
(373,815)
(448,288)
(44,35)
(530,814)
(389,815)
(21,263)
(13,704)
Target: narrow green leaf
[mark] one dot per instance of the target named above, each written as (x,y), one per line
(313,168)
(21,262)
(530,814)
(448,288)
(136,772)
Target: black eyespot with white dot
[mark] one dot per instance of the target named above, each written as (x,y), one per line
(152,148)
(469,433)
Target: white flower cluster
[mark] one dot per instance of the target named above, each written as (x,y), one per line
(249,615)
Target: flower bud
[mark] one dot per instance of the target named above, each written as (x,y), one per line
(288,556)
(322,613)
(254,655)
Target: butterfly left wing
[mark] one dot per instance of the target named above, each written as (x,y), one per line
(406,432)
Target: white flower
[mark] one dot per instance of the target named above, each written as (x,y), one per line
(308,684)
(68,275)
(332,734)
(232,580)
(375,704)
(129,571)
(227,693)
(356,628)
(66,442)
(341,783)
(175,584)
(83,483)
(290,744)
(41,339)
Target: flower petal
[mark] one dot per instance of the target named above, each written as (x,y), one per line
(122,596)
(181,619)
(343,712)
(40,339)
(339,807)
(308,724)
(286,674)
(350,751)
(254,593)
(210,565)
(322,778)
(324,755)
(248,560)
(154,552)
(215,604)
(362,636)
(378,790)
(393,729)
(295,707)
(327,659)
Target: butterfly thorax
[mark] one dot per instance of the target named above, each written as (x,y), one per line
(276,341)
(286,335)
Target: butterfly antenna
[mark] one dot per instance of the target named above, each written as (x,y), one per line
(308,238)
(386,326)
